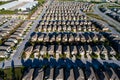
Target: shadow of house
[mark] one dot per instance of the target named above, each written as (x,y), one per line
(116,69)
(79,63)
(59,73)
(36,63)
(26,63)
(76,72)
(38,74)
(60,63)
(52,62)
(47,72)
(97,67)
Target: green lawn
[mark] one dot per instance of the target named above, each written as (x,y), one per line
(1,59)
(1,3)
(7,12)
(12,73)
(41,1)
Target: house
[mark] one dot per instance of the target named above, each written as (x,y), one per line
(74,28)
(43,50)
(46,37)
(40,28)
(45,28)
(66,50)
(102,49)
(13,40)
(41,37)
(70,37)
(88,49)
(49,28)
(5,48)
(36,50)
(101,37)
(59,28)
(87,37)
(52,37)
(77,37)
(94,36)
(54,28)
(58,49)
(79,28)
(34,37)
(74,50)
(58,37)
(3,54)
(82,38)
(81,50)
(65,28)
(50,50)
(28,51)
(110,50)
(9,43)
(69,28)
(96,50)
(64,37)
(15,37)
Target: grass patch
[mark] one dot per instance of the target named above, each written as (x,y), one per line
(12,73)
(2,59)
(7,12)
(1,3)
(41,1)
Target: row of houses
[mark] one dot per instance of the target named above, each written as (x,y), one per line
(72,73)
(114,16)
(67,37)
(71,5)
(75,26)
(115,40)
(3,20)
(112,12)
(65,16)
(8,27)
(14,16)
(13,40)
(66,11)
(68,50)
(66,26)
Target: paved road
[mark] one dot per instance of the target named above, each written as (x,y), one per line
(105,17)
